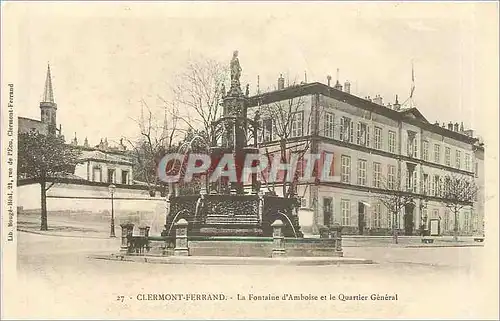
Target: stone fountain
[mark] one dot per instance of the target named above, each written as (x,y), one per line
(230,219)
(227,208)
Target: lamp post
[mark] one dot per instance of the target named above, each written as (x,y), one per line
(112,192)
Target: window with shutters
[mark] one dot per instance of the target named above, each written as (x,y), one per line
(329,125)
(361,172)
(346,212)
(412,144)
(458,159)
(377,173)
(363,137)
(346,129)
(425,150)
(437,153)
(392,141)
(446,220)
(345,169)
(391,176)
(377,216)
(466,221)
(447,156)
(377,137)
(437,185)
(297,124)
(467,162)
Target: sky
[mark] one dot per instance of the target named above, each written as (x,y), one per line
(106,57)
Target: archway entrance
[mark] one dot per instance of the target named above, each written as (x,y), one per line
(409,219)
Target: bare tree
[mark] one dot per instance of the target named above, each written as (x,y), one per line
(282,121)
(395,200)
(458,191)
(200,89)
(158,135)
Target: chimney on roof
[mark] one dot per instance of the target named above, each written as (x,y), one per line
(455,128)
(450,126)
(378,100)
(329,79)
(347,87)
(338,86)
(396,105)
(281,82)
(436,123)
(462,126)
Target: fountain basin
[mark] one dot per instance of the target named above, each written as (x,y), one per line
(233,215)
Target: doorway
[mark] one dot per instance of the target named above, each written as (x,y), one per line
(409,219)
(361,218)
(327,211)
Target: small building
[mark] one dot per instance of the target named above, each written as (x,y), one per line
(86,190)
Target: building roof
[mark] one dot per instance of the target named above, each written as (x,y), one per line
(412,115)
(30,119)
(101,156)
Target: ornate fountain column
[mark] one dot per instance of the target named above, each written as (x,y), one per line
(235,122)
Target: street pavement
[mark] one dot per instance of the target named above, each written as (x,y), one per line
(57,279)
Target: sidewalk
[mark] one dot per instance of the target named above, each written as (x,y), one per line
(64,228)
(229,260)
(408,241)
(51,232)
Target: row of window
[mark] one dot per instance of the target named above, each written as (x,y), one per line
(447,156)
(448,223)
(270,129)
(432,185)
(98,177)
(381,215)
(270,132)
(378,181)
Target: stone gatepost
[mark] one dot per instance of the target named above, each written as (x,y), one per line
(336,233)
(278,239)
(144,231)
(181,238)
(127,230)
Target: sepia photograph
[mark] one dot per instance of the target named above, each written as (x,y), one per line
(249,160)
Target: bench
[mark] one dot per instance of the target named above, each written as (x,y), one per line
(479,239)
(427,240)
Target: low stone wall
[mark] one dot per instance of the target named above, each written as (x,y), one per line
(233,246)
(243,247)
(309,247)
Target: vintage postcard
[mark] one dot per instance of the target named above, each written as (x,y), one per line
(249,160)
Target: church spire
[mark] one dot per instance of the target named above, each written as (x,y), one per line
(48,93)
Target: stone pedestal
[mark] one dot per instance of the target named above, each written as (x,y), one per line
(181,238)
(127,230)
(336,233)
(144,231)
(278,239)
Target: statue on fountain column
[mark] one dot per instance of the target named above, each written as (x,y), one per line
(235,71)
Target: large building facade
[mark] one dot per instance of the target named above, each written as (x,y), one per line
(376,148)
